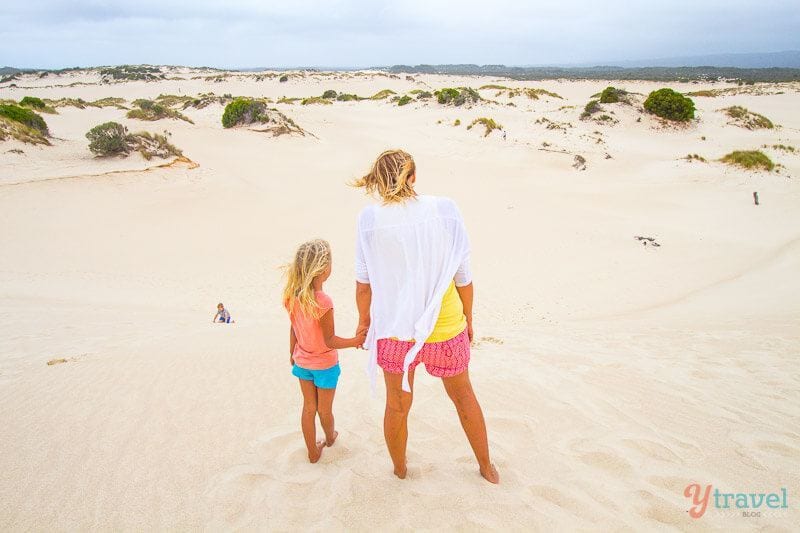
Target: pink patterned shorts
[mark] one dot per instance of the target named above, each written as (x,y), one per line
(442,359)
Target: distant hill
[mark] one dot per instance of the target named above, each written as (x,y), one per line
(787,59)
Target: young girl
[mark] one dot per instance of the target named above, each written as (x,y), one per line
(312,341)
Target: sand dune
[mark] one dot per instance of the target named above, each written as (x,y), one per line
(612,374)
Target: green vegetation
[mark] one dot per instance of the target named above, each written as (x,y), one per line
(10,128)
(244,111)
(131,73)
(612,95)
(381,95)
(315,100)
(493,86)
(533,94)
(330,94)
(670,105)
(150,110)
(749,159)
(206,99)
(593,106)
(32,101)
(781,147)
(747,119)
(457,122)
(283,79)
(285,100)
(344,97)
(24,116)
(109,101)
(404,100)
(170,100)
(488,123)
(424,95)
(112,138)
(457,97)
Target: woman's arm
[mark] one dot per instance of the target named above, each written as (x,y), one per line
(363,302)
(292,344)
(331,340)
(466,293)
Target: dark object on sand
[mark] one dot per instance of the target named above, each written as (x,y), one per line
(755,197)
(647,240)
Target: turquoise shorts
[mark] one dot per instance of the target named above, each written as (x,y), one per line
(323,379)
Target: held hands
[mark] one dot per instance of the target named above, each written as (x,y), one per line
(361,335)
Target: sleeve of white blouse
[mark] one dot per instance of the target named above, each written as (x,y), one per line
(463,275)
(362,276)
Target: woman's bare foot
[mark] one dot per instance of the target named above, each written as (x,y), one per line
(401,472)
(490,474)
(313,458)
(329,442)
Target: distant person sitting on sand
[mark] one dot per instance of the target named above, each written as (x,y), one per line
(414,297)
(222,316)
(313,341)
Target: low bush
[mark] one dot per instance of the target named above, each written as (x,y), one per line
(670,105)
(32,101)
(344,97)
(107,139)
(283,79)
(382,95)
(457,97)
(749,159)
(330,94)
(244,111)
(611,95)
(593,106)
(488,123)
(150,111)
(748,119)
(424,95)
(315,100)
(457,122)
(25,117)
(404,100)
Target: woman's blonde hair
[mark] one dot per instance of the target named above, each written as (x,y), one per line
(311,260)
(389,177)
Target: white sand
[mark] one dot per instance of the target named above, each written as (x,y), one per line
(611,374)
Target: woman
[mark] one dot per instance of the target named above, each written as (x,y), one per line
(414,295)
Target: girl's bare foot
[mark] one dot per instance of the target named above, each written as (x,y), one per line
(313,458)
(329,442)
(490,474)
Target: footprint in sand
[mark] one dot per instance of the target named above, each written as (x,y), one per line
(652,450)
(661,510)
(607,461)
(562,501)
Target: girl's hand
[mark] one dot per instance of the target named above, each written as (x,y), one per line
(470,333)
(360,338)
(291,361)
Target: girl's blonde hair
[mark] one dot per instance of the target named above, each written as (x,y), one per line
(389,177)
(311,260)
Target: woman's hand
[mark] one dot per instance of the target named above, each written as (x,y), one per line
(470,333)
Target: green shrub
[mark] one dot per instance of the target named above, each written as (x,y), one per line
(610,95)
(457,97)
(150,110)
(32,101)
(110,138)
(315,100)
(424,95)
(488,123)
(749,159)
(404,100)
(445,96)
(330,94)
(670,105)
(593,106)
(283,78)
(152,145)
(457,122)
(748,119)
(243,111)
(25,117)
(381,95)
(344,97)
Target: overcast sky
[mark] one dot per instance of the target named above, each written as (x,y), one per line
(359,33)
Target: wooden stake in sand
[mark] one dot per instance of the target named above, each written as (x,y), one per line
(755,197)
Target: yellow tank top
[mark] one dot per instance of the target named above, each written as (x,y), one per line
(451,319)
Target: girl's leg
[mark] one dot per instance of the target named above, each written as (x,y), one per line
(395,419)
(308,420)
(325,410)
(459,389)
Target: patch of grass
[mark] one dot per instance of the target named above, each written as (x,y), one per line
(695,157)
(550,125)
(404,100)
(24,116)
(612,95)
(20,132)
(31,102)
(345,97)
(671,105)
(244,111)
(457,96)
(747,119)
(112,139)
(330,94)
(152,145)
(382,95)
(712,93)
(424,95)
(170,100)
(285,100)
(781,147)
(109,101)
(493,86)
(488,123)
(749,159)
(131,73)
(593,106)
(150,111)
(206,99)
(457,122)
(315,100)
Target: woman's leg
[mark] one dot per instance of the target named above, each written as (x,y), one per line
(395,419)
(459,389)
(308,420)
(325,410)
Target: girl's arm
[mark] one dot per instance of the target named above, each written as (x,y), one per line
(466,294)
(331,340)
(292,344)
